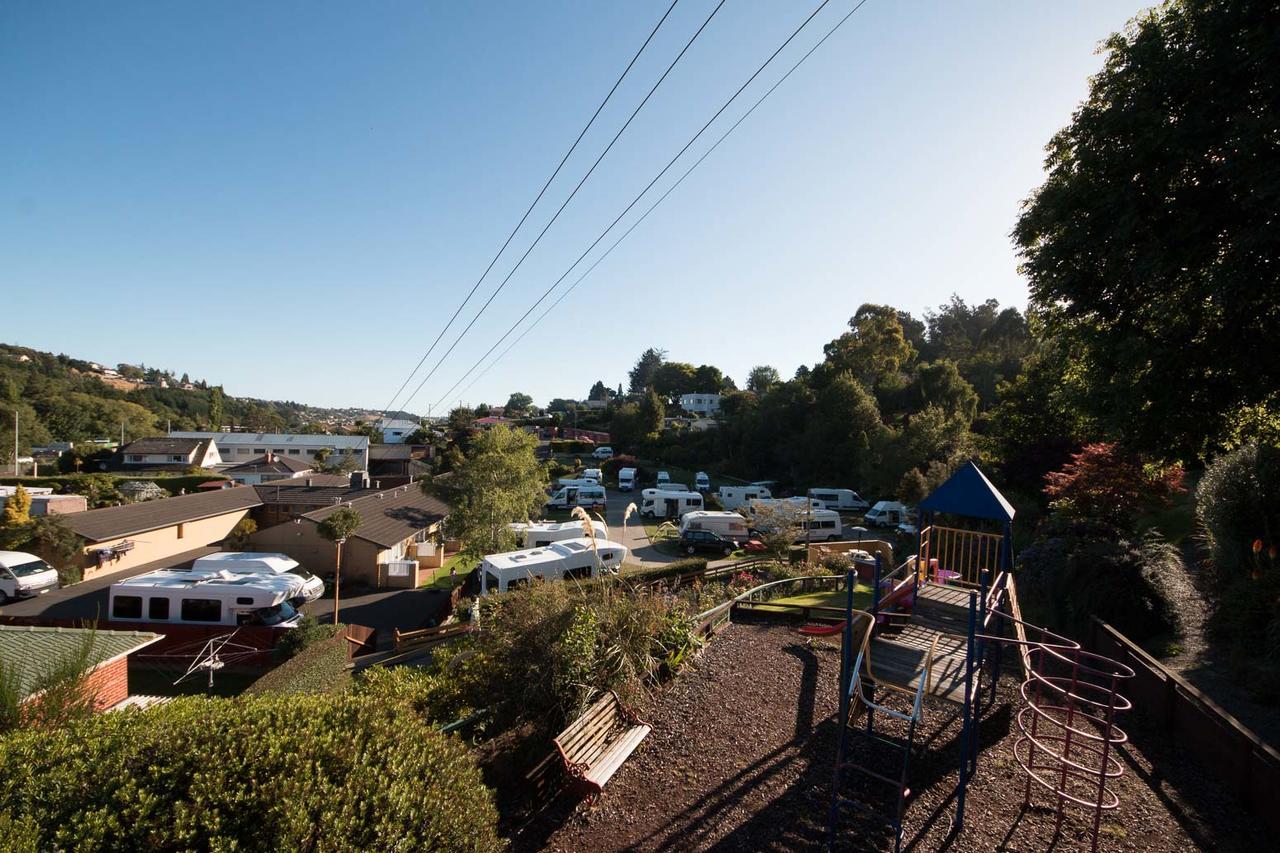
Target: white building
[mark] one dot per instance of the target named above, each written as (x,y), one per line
(706,405)
(173,451)
(397,430)
(237,447)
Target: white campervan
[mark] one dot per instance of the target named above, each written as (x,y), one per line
(590,496)
(886,514)
(575,481)
(813,524)
(571,558)
(626,479)
(185,598)
(702,482)
(23,575)
(732,497)
(841,500)
(539,534)
(727,524)
(661,503)
(595,475)
(310,587)
(798,504)
(663,479)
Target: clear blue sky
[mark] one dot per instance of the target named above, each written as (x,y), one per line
(290,198)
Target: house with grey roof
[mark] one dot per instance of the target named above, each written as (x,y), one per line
(169,452)
(30,652)
(238,447)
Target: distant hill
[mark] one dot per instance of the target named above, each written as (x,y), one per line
(60,398)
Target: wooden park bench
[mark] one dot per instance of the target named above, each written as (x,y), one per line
(594,746)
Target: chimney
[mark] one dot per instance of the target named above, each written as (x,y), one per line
(270,457)
(310,482)
(377,484)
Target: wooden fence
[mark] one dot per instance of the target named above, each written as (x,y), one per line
(967,553)
(1228,750)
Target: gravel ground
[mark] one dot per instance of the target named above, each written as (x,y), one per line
(741,755)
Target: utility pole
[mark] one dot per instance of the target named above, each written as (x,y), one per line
(122,433)
(337,579)
(15,441)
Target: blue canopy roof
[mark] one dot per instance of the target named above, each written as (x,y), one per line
(968,492)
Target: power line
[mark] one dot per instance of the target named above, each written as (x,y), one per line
(658,177)
(642,217)
(560,210)
(532,205)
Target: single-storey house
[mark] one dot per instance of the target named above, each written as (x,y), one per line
(31,651)
(266,468)
(122,537)
(397,537)
(170,452)
(396,430)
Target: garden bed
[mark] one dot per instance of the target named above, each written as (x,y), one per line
(741,755)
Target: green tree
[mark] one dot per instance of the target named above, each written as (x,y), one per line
(673,378)
(216,414)
(761,378)
(17,509)
(874,346)
(709,379)
(647,365)
(599,391)
(500,481)
(338,527)
(1153,242)
(651,413)
(518,403)
(53,541)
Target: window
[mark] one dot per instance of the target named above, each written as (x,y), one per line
(181,530)
(157,608)
(259,451)
(127,607)
(133,457)
(579,572)
(177,458)
(311,453)
(201,610)
(293,451)
(244,599)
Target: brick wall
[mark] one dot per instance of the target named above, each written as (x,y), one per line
(111,684)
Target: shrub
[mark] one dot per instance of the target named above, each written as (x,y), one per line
(308,631)
(836,564)
(566,445)
(1104,482)
(261,772)
(318,665)
(1238,503)
(1080,569)
(667,570)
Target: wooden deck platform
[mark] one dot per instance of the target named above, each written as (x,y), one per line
(939,620)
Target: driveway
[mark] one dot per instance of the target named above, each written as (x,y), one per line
(88,599)
(642,551)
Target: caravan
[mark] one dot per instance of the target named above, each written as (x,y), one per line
(594,475)
(730,525)
(841,500)
(570,558)
(626,479)
(886,514)
(184,598)
(539,534)
(309,586)
(732,497)
(661,503)
(702,482)
(588,496)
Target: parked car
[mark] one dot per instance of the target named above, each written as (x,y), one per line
(907,528)
(23,575)
(693,541)
(605,452)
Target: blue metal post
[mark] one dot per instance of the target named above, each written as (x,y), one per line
(967,737)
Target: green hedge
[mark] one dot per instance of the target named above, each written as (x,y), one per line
(567,445)
(257,773)
(319,666)
(677,567)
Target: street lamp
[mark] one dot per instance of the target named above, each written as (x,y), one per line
(337,577)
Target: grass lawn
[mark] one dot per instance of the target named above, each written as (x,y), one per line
(829,598)
(439,578)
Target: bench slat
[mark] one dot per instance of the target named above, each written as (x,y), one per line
(612,760)
(599,741)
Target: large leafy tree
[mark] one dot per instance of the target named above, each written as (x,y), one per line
(499,482)
(1155,241)
(761,378)
(874,346)
(647,365)
(518,403)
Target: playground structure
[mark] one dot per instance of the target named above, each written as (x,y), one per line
(936,632)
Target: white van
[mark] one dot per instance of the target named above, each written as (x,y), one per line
(595,475)
(570,558)
(664,479)
(184,598)
(798,504)
(23,575)
(539,534)
(732,497)
(626,479)
(575,481)
(814,524)
(310,587)
(702,482)
(727,524)
(605,452)
(660,503)
(886,514)
(841,500)
(589,496)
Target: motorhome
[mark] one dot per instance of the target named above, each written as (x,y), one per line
(663,479)
(841,500)
(575,481)
(727,524)
(702,482)
(886,514)
(261,563)
(539,534)
(570,558)
(186,598)
(588,496)
(813,524)
(626,479)
(732,497)
(797,504)
(595,475)
(662,503)
(23,575)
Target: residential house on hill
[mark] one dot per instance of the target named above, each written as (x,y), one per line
(267,468)
(396,430)
(237,447)
(168,452)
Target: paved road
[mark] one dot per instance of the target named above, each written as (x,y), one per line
(632,533)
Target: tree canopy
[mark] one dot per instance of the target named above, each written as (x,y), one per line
(499,482)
